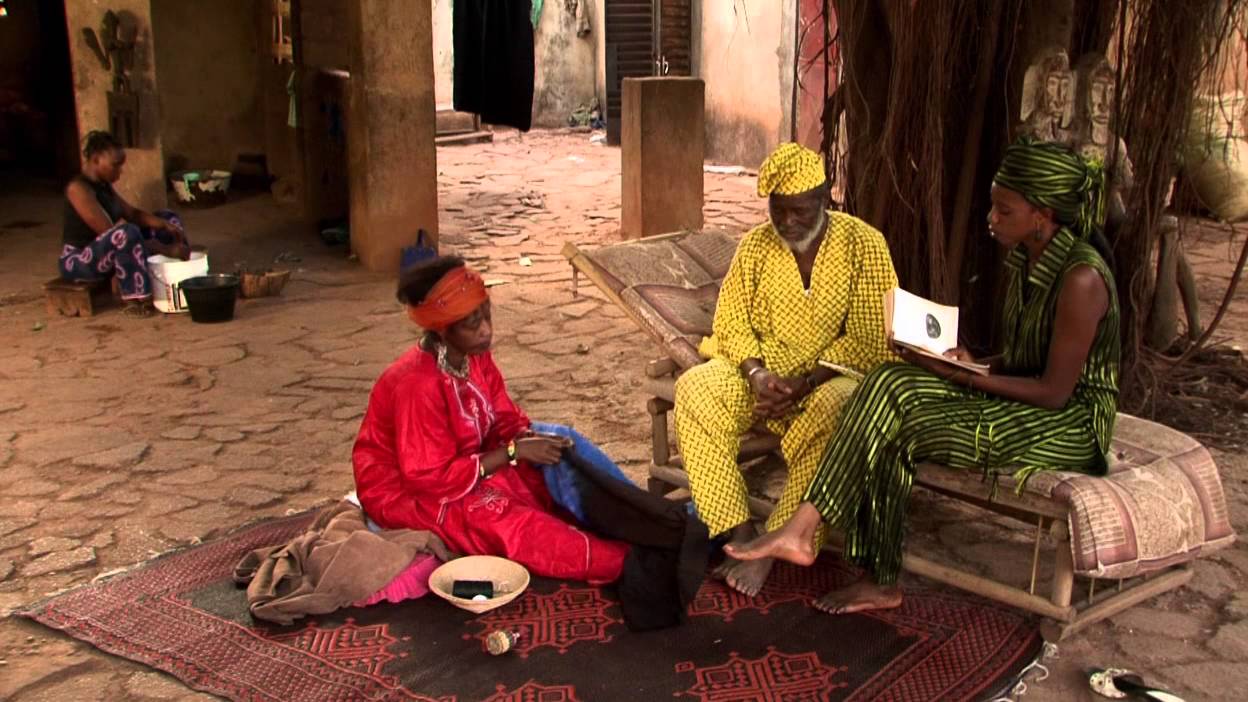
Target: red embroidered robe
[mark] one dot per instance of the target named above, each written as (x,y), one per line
(417,462)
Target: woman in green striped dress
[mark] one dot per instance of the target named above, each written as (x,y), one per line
(1048,403)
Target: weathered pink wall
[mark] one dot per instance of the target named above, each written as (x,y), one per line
(745,54)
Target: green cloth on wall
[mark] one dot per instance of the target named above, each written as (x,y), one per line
(292,89)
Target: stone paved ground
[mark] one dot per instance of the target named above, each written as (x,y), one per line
(121,439)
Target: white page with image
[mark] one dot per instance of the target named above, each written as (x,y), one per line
(920,322)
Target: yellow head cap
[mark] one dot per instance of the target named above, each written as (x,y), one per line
(791,169)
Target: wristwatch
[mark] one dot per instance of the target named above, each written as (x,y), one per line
(511,452)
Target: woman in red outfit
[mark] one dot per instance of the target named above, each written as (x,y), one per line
(443,448)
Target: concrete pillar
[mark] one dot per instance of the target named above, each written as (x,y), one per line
(662,141)
(390,126)
(143,179)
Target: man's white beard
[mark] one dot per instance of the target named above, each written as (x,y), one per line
(803,245)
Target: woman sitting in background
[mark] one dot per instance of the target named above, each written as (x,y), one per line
(106,236)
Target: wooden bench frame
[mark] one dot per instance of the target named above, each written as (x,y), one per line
(1062,615)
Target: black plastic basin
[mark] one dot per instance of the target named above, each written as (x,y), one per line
(211,297)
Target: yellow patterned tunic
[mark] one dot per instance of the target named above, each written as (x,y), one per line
(765,312)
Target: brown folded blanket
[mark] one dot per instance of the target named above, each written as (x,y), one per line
(338,561)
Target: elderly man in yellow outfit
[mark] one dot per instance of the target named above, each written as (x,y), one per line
(806,286)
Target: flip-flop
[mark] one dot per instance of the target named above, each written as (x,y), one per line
(1120,684)
(138,311)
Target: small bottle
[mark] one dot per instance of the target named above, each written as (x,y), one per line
(500,641)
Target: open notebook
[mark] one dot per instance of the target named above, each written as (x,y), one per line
(924,327)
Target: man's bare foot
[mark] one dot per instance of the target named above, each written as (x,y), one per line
(741,533)
(748,577)
(723,569)
(862,596)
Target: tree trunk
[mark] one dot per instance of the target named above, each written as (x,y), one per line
(965,198)
(1163,318)
(1094,24)
(1175,283)
(1191,302)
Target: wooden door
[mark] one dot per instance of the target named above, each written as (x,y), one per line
(644,38)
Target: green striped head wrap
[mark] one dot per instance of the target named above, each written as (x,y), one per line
(1051,175)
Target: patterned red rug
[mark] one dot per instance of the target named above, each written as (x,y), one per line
(182,614)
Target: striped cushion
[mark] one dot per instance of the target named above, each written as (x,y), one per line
(1161,504)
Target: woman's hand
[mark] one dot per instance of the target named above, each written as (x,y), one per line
(540,450)
(173,228)
(935,366)
(180,247)
(177,249)
(960,354)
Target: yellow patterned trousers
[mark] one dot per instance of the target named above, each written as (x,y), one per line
(714,406)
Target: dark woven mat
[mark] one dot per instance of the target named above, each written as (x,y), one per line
(182,614)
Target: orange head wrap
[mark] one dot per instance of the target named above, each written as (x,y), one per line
(454,297)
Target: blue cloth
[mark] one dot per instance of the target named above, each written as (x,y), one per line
(420,251)
(560,477)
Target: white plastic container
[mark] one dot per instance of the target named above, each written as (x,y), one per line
(167,273)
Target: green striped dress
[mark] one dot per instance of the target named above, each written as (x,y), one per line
(902,415)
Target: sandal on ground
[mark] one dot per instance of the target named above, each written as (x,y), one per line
(138,311)
(1120,684)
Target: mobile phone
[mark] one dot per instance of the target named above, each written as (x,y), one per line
(561,440)
(467,589)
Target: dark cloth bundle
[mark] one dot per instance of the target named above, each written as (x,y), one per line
(670,546)
(493,44)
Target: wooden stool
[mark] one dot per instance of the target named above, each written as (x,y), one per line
(73,298)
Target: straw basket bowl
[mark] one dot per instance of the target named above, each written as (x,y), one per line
(509,578)
(263,284)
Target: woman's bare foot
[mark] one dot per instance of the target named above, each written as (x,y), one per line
(862,596)
(781,544)
(793,542)
(748,577)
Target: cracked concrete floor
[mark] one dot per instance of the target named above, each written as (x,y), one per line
(121,439)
